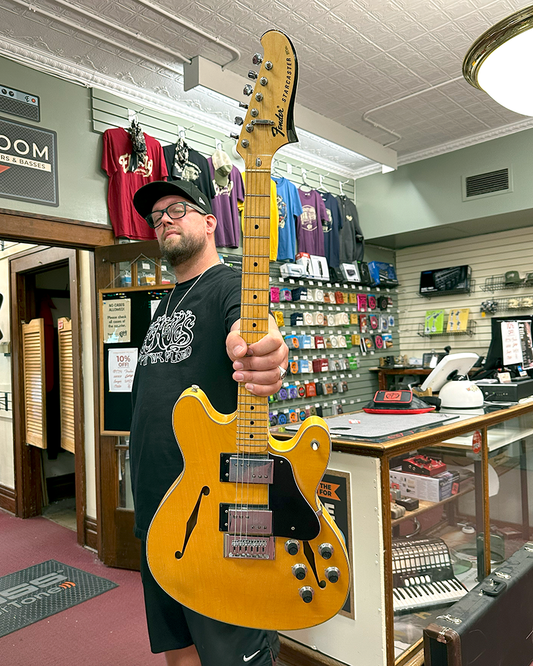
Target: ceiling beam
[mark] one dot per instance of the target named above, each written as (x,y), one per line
(203,72)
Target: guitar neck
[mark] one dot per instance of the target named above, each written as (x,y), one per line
(252,411)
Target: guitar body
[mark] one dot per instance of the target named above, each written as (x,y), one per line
(189,532)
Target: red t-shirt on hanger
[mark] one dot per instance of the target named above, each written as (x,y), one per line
(123,183)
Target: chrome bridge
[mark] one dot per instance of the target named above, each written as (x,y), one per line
(249,548)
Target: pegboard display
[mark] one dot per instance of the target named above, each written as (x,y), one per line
(335,332)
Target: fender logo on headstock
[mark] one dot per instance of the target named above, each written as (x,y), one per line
(279,129)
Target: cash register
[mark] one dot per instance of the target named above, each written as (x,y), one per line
(506,375)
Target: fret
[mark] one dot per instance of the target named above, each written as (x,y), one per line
(258,195)
(257,217)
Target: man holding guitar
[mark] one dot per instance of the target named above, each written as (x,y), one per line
(194,339)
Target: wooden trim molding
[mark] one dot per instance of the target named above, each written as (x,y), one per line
(91,533)
(296,654)
(56,231)
(7,499)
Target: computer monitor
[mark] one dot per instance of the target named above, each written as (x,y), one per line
(511,344)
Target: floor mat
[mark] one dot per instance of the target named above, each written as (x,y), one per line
(37,592)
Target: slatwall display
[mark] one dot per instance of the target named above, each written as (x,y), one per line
(110,111)
(490,256)
(361,383)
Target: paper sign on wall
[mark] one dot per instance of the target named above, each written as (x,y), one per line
(117,320)
(121,365)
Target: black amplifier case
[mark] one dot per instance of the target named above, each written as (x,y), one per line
(490,626)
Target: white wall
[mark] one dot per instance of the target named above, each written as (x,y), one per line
(488,255)
(7,470)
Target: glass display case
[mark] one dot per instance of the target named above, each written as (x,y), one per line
(433,510)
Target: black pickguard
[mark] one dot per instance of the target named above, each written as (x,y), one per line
(292,516)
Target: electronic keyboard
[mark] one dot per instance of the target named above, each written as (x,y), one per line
(423,576)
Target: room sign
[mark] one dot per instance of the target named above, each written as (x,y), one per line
(28,163)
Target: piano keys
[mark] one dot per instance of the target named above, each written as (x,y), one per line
(423,576)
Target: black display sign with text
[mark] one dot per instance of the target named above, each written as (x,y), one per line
(28,163)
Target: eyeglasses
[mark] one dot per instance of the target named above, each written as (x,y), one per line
(175,211)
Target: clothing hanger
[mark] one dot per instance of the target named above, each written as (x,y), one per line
(321,183)
(340,186)
(305,184)
(275,169)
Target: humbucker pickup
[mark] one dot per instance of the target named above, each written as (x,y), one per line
(250,521)
(246,468)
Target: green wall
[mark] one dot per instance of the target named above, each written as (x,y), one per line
(428,193)
(66,109)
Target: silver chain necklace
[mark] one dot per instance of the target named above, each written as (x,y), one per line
(186,293)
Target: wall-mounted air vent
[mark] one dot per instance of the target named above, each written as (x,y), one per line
(485,184)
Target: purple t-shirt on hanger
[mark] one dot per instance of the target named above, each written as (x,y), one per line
(309,228)
(225,208)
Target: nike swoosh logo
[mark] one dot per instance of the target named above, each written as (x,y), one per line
(251,656)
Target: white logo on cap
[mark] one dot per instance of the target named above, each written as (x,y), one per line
(201,200)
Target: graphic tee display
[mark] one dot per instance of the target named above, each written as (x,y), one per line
(123,184)
(189,164)
(226,208)
(185,345)
(309,231)
(352,242)
(289,209)
(332,228)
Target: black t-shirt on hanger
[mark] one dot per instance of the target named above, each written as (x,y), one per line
(352,242)
(195,169)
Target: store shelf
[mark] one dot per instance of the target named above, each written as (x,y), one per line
(470,330)
(497,283)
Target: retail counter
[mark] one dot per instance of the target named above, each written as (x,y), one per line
(485,520)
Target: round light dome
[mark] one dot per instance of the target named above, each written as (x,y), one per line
(498,62)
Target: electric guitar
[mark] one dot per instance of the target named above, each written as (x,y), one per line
(241,535)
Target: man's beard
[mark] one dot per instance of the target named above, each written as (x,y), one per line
(178,253)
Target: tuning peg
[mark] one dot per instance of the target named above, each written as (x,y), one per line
(234,136)
(248,89)
(238,120)
(242,105)
(252,75)
(257,59)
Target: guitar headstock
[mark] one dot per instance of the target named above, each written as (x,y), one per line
(269,121)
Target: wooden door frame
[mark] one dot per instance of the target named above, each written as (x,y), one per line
(34,228)
(27,459)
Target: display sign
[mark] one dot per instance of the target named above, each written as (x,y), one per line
(28,163)
(334,493)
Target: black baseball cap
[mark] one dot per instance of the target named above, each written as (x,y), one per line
(145,198)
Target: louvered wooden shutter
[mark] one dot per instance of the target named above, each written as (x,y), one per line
(34,382)
(66,384)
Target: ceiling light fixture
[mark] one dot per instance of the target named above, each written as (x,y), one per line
(498,62)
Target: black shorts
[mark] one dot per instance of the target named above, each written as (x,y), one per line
(172,626)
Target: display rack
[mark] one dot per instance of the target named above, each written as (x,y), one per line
(470,330)
(497,283)
(439,294)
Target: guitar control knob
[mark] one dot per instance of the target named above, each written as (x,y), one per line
(325,550)
(257,59)
(238,120)
(292,546)
(248,89)
(252,75)
(299,571)
(332,574)
(307,593)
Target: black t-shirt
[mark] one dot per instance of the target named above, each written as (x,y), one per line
(185,346)
(352,242)
(195,170)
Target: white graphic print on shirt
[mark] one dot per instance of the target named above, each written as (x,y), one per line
(308,218)
(169,339)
